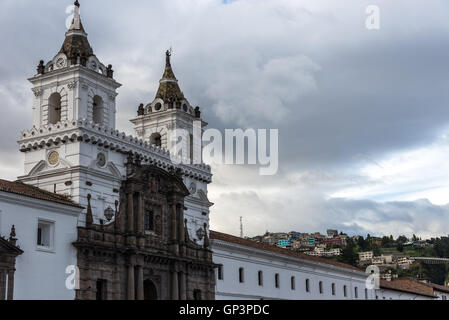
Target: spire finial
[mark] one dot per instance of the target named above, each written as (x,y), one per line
(89,216)
(12,236)
(167,56)
(76,23)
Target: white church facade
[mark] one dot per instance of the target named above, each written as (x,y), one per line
(76,162)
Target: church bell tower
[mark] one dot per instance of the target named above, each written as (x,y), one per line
(74,102)
(74,148)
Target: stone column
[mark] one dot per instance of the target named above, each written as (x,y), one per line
(139,280)
(173,223)
(130,294)
(180,222)
(2,284)
(140,214)
(174,286)
(182,286)
(11,285)
(130,213)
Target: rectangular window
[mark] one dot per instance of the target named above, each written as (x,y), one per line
(333,289)
(356,292)
(321,287)
(220,273)
(293,283)
(101,289)
(45,234)
(197,295)
(260,278)
(191,146)
(276,280)
(149,226)
(307,285)
(241,276)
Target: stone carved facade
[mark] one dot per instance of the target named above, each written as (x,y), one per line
(8,253)
(145,253)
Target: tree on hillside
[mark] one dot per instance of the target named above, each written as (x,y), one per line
(441,247)
(402,239)
(386,241)
(361,243)
(348,254)
(376,251)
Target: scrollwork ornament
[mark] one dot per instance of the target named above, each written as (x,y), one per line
(37,92)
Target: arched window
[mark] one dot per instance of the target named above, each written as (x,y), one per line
(260,278)
(276,280)
(54,108)
(356,292)
(307,285)
(97,110)
(333,289)
(156,139)
(293,283)
(320,286)
(241,275)
(344,291)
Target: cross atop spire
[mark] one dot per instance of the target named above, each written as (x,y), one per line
(168,73)
(76,23)
(76,44)
(167,58)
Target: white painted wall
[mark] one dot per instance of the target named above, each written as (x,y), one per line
(233,257)
(40,275)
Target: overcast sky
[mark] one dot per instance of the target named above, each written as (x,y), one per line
(362,114)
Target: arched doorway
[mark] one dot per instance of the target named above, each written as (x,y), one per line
(149,290)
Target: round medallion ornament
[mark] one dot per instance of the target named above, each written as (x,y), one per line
(53,158)
(101,160)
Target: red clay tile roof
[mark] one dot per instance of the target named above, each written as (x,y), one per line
(33,192)
(408,286)
(214,235)
(438,287)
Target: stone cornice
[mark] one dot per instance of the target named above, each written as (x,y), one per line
(82,130)
(55,75)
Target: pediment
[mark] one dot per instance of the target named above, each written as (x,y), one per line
(159,180)
(8,248)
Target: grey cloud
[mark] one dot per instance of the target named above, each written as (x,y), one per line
(311,69)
